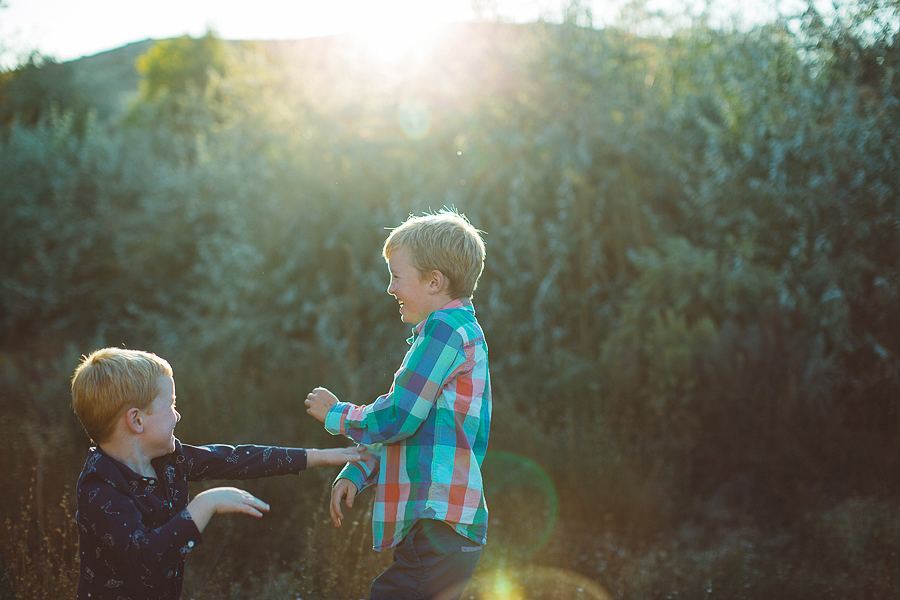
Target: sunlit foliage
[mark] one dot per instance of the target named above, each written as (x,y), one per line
(690,293)
(180,63)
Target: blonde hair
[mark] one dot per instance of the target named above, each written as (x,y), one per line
(446,242)
(110,381)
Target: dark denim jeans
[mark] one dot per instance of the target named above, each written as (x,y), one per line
(433,562)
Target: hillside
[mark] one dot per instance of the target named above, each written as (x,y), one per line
(462,62)
(108,80)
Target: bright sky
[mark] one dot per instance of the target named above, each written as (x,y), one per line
(69,29)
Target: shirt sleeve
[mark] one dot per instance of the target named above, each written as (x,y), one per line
(365,472)
(434,357)
(221,461)
(116,522)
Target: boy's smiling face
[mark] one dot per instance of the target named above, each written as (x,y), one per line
(418,297)
(160,418)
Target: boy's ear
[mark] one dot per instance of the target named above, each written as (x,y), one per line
(133,420)
(437,283)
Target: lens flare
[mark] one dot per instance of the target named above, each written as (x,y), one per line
(400,34)
(535,583)
(502,588)
(415,118)
(522,503)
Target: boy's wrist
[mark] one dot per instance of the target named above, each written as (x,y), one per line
(355,473)
(333,419)
(313,457)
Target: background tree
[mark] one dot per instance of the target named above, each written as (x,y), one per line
(38,86)
(180,63)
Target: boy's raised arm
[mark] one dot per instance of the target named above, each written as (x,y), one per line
(220,461)
(434,358)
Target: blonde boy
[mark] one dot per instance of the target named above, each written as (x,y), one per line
(135,521)
(428,435)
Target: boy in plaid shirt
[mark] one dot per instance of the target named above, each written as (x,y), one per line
(428,435)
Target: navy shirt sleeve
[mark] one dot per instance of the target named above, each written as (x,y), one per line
(220,461)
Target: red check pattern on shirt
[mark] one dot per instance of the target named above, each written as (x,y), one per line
(428,435)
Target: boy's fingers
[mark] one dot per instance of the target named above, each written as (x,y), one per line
(253,505)
(335,507)
(336,515)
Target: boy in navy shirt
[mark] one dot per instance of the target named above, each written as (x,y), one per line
(135,520)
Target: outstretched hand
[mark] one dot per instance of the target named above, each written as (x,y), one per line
(319,402)
(223,500)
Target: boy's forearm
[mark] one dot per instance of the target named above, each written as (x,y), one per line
(314,458)
(430,364)
(331,456)
(201,509)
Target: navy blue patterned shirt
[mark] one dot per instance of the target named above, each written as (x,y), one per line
(134,531)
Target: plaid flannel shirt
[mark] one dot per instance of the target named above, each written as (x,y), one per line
(428,435)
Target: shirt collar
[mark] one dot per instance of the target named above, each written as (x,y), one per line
(112,469)
(463,303)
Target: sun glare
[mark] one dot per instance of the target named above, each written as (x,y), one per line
(399,34)
(536,582)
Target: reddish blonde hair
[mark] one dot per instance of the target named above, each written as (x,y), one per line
(110,381)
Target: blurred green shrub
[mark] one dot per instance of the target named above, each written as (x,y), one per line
(38,86)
